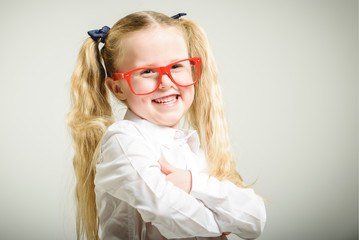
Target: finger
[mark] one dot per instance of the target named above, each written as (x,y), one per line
(166,168)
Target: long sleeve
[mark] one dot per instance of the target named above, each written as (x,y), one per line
(238,210)
(129,171)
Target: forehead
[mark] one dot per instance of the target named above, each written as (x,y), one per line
(153,46)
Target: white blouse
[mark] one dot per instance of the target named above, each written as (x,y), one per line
(134,201)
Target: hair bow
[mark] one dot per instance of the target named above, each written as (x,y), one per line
(99,33)
(179,15)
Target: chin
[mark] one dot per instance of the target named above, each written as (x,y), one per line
(169,120)
(172,124)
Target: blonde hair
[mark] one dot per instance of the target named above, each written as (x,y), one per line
(91,112)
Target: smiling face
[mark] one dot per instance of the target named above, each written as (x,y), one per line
(154,47)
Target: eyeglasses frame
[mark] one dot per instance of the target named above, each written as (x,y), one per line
(162,70)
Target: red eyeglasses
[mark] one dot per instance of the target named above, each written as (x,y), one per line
(146,80)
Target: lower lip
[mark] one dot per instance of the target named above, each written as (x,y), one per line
(168,104)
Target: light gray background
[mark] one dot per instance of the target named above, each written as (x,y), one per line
(289,73)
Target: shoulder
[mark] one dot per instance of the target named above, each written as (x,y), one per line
(127,136)
(124,129)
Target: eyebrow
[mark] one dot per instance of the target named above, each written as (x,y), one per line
(156,65)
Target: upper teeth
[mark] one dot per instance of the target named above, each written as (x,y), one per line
(165,99)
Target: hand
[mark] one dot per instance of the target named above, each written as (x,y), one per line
(179,177)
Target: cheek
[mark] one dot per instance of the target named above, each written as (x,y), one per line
(189,94)
(135,102)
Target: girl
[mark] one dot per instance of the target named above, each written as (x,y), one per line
(144,177)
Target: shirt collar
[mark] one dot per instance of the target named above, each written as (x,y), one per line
(166,135)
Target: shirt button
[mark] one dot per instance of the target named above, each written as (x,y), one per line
(179,134)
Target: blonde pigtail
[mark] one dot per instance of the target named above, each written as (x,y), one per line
(89,118)
(206,114)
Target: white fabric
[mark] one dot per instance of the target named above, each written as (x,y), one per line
(134,200)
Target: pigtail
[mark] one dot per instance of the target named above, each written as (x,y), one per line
(206,114)
(89,118)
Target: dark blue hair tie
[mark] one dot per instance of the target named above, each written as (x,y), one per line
(99,33)
(177,16)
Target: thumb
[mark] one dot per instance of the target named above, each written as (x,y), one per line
(166,168)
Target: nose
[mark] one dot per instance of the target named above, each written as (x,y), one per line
(166,82)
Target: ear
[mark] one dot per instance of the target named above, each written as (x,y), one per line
(116,88)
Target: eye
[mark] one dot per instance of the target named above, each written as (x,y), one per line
(178,65)
(147,71)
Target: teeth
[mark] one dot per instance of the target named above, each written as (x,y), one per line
(165,100)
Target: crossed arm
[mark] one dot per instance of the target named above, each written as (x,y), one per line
(179,203)
(179,177)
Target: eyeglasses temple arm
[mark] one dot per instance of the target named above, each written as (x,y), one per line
(118,76)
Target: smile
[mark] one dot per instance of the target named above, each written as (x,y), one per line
(166,100)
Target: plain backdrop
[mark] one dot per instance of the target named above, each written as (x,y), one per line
(289,78)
